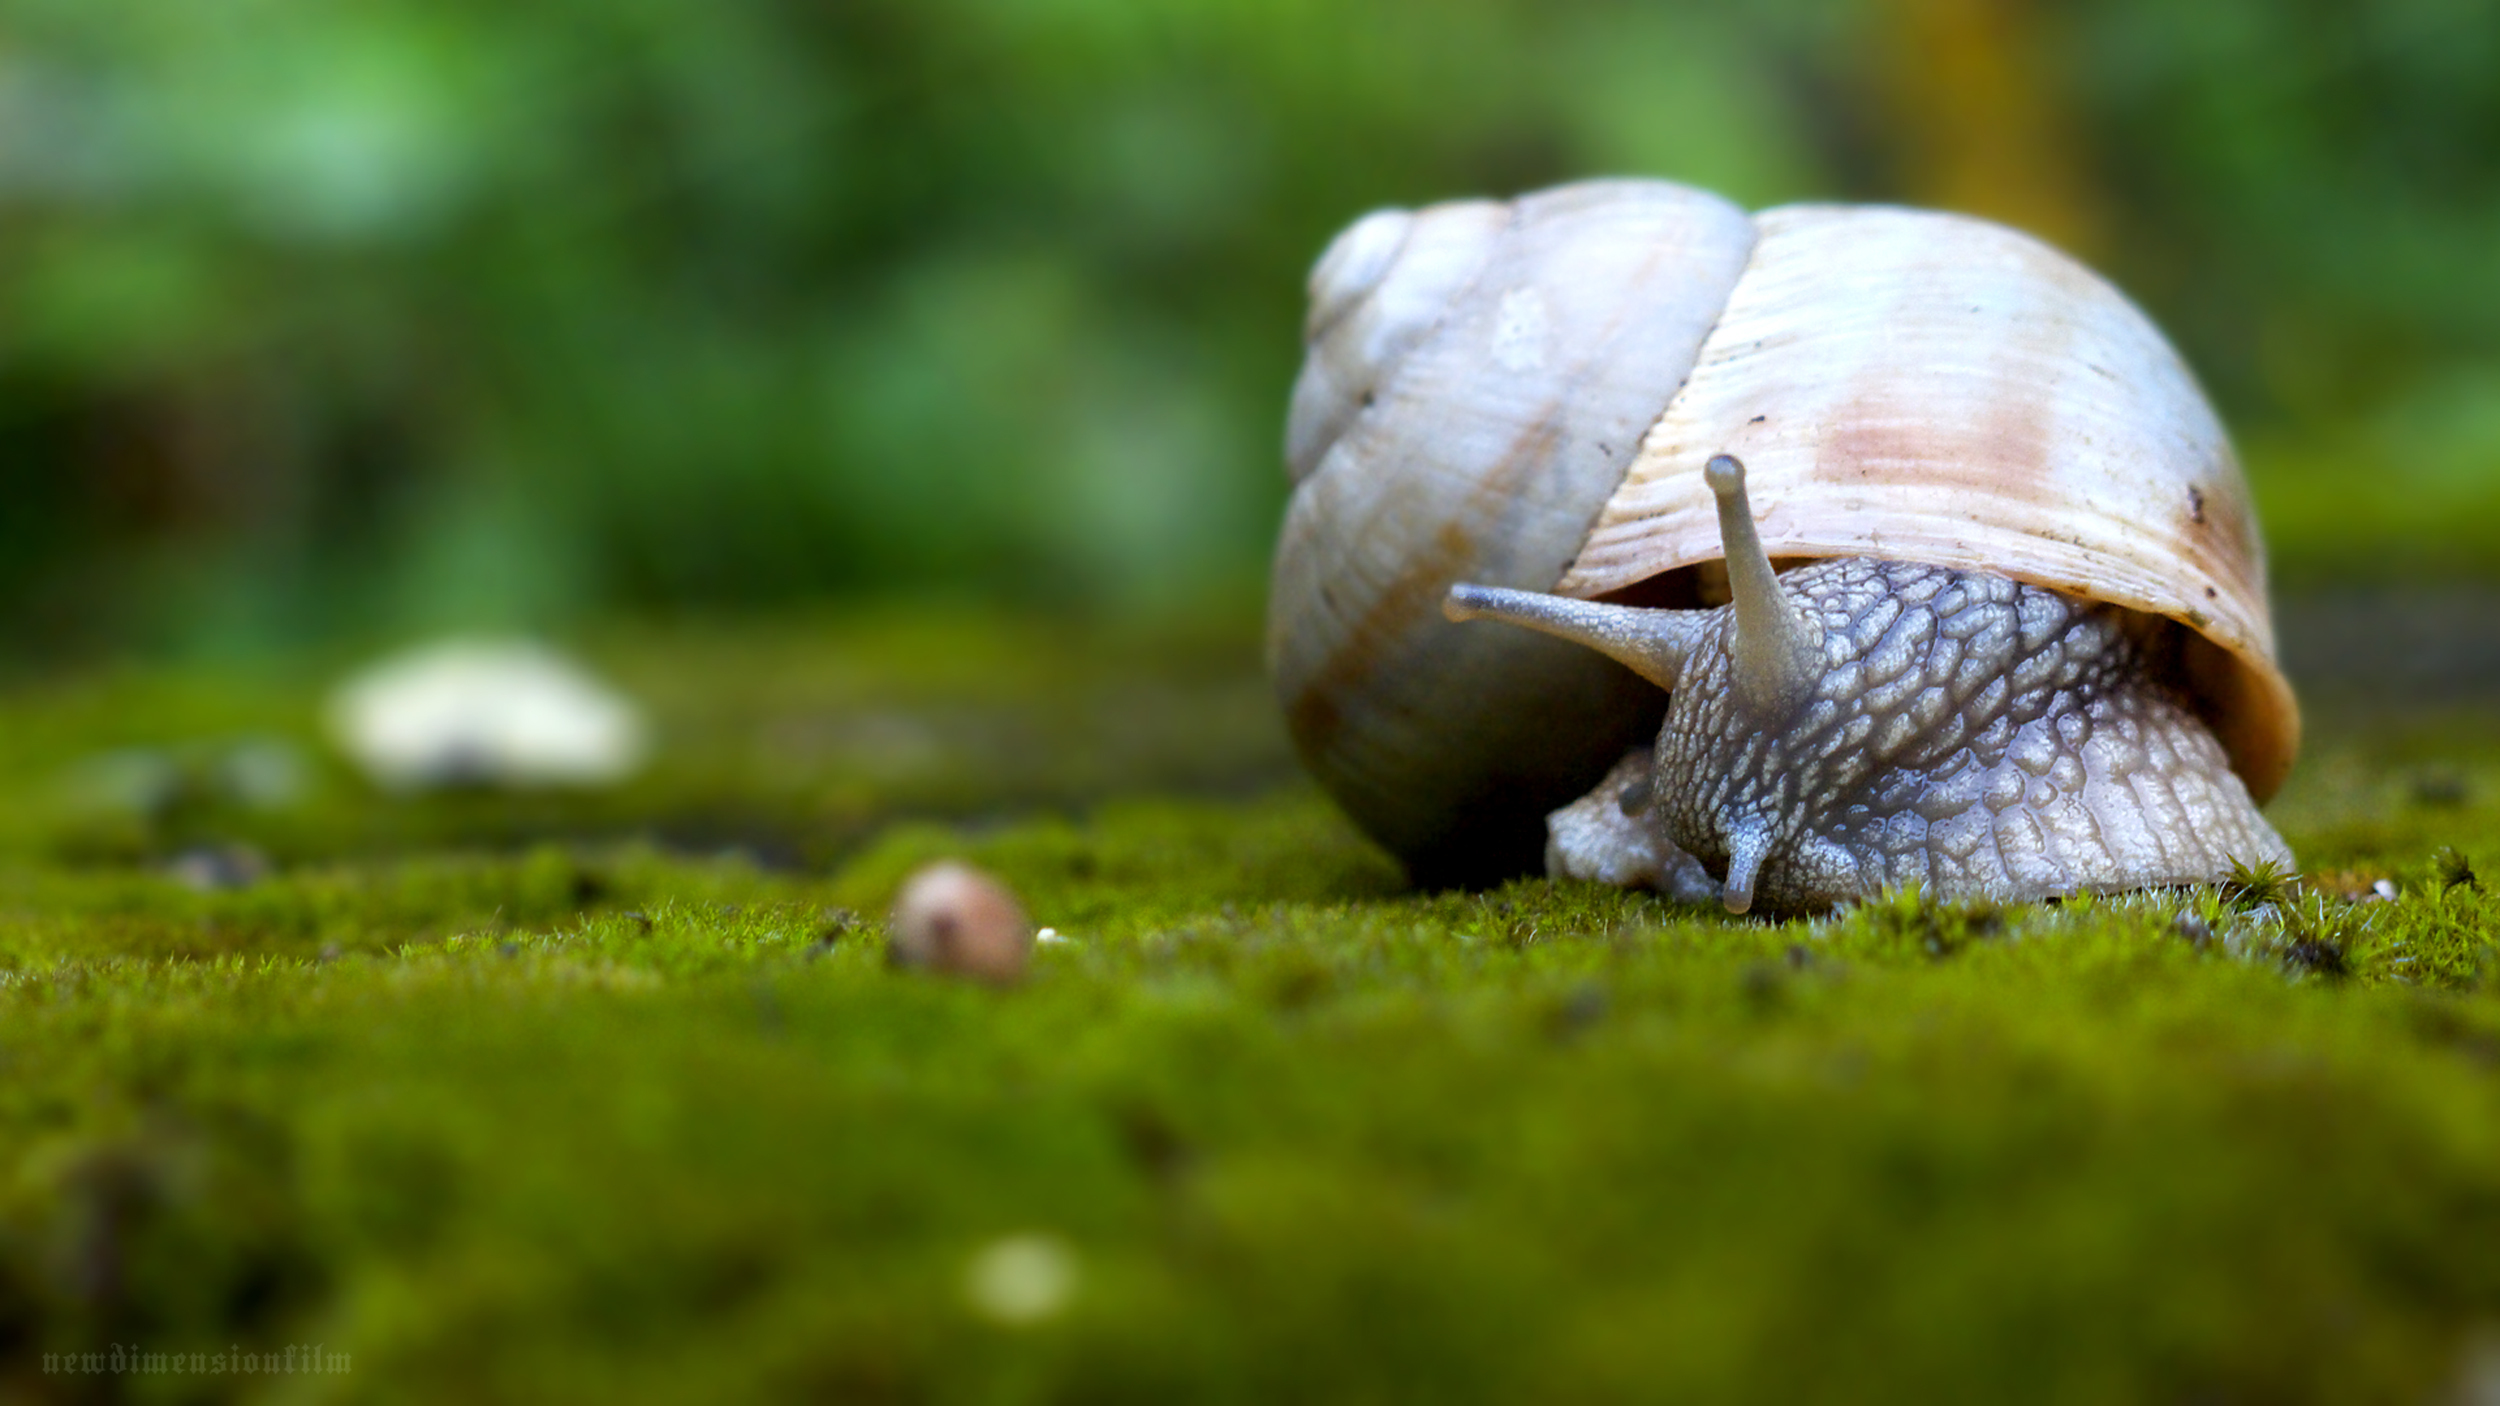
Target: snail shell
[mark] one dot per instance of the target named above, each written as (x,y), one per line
(1479,378)
(1522,395)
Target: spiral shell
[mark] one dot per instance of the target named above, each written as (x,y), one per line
(1479,378)
(1523,395)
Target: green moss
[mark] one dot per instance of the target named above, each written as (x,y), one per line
(609,1118)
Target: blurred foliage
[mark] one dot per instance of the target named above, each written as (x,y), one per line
(789,741)
(320,317)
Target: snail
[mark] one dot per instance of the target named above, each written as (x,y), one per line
(1860,546)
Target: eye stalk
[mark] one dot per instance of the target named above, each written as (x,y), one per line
(1773,645)
(1774,642)
(1651,643)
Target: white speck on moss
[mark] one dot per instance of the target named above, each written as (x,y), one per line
(1021,1280)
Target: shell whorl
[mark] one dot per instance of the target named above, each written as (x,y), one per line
(1384,285)
(1479,377)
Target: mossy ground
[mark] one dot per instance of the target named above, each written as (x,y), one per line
(614,1097)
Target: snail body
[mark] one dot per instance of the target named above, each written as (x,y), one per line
(2027,649)
(1861,723)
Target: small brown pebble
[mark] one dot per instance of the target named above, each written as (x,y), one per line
(953,918)
(2356,886)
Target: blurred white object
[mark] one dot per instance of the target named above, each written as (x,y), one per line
(262,772)
(485,712)
(1021,1280)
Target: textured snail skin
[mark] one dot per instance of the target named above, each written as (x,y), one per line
(1606,837)
(1967,733)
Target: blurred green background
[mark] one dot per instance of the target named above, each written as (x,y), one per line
(330,320)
